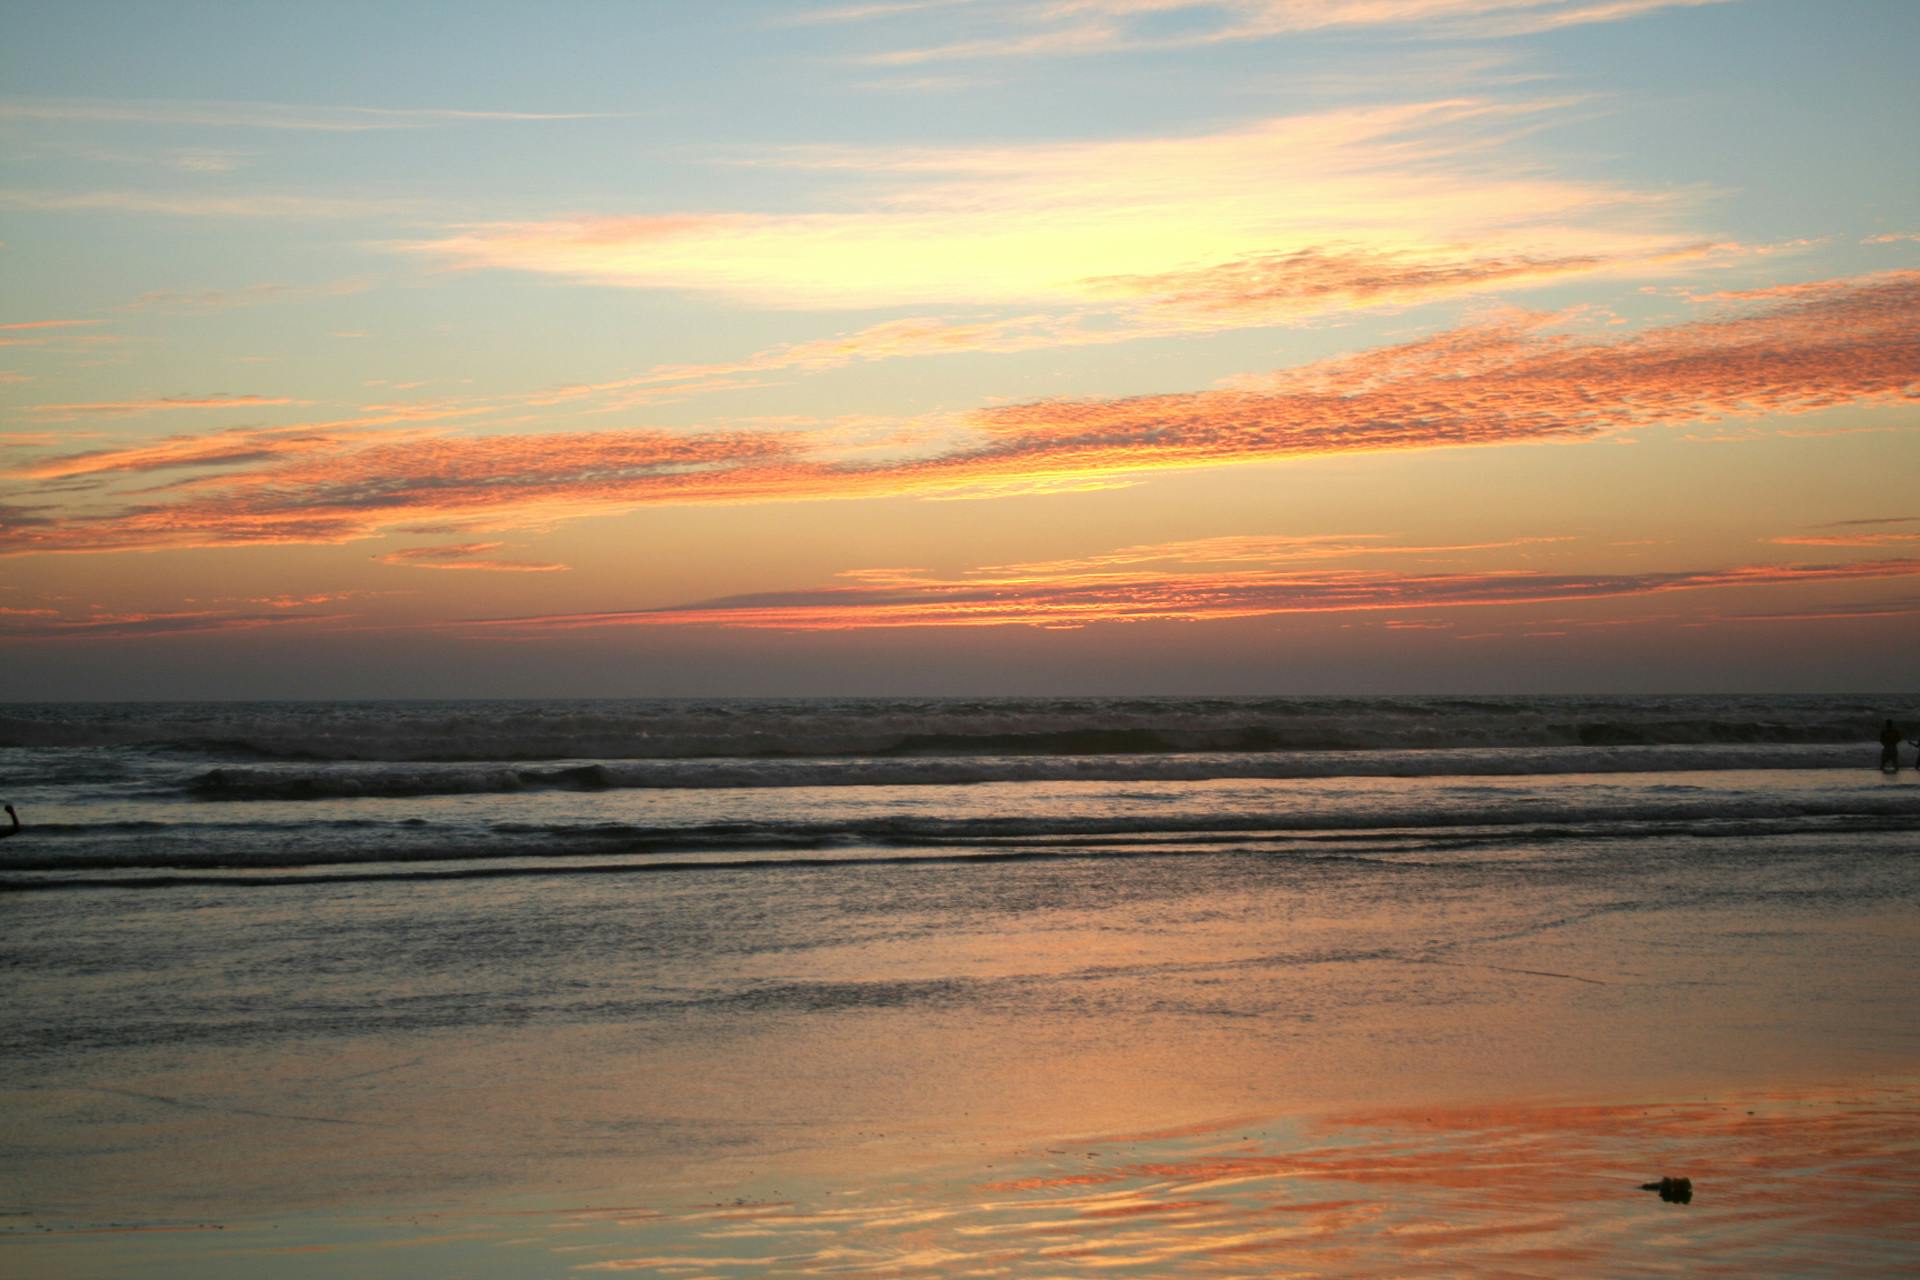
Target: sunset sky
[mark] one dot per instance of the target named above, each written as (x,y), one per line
(959,346)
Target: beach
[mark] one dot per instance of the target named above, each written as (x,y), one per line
(959,640)
(1001,988)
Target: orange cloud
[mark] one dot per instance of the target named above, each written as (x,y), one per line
(1507,381)
(46,324)
(220,448)
(316,487)
(301,602)
(1311,280)
(128,625)
(116,408)
(1069,598)
(1513,379)
(1845,539)
(1254,549)
(464,556)
(1880,537)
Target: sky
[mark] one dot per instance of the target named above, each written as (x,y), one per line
(958,347)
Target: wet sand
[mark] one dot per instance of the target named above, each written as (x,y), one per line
(1205,1065)
(1820,1180)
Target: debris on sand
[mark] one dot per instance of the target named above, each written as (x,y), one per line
(1672,1190)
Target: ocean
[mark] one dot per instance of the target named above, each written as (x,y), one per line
(154,794)
(267,960)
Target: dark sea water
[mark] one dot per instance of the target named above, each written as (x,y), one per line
(332,958)
(158,793)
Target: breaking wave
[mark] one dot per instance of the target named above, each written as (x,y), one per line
(910,728)
(1415,824)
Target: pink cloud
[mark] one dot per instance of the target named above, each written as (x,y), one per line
(1307,281)
(1514,379)
(1510,380)
(1036,29)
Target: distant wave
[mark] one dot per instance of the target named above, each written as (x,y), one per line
(358,779)
(617,730)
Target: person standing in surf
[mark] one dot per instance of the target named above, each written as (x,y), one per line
(1890,747)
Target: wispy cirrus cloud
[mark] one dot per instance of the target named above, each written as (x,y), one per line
(63,339)
(327,487)
(864,12)
(889,340)
(40,624)
(202,204)
(254,295)
(466,555)
(263,115)
(1869,520)
(1510,380)
(162,404)
(213,449)
(1071,597)
(1261,549)
(1871,531)
(1298,214)
(1304,282)
(1846,612)
(1516,378)
(1058,28)
(1845,539)
(46,324)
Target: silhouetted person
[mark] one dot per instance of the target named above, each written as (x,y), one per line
(1889,746)
(13,830)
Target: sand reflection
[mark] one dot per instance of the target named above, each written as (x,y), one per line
(1814,1180)
(1808,1181)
